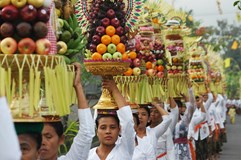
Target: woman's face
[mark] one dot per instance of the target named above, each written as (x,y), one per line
(155,116)
(50,143)
(28,146)
(108,131)
(143,117)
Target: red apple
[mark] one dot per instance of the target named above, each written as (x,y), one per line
(8,45)
(28,13)
(9,13)
(115,22)
(120,31)
(43,46)
(92,48)
(100,30)
(137,62)
(96,39)
(43,14)
(26,46)
(160,74)
(105,22)
(110,13)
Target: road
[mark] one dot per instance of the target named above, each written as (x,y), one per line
(232,149)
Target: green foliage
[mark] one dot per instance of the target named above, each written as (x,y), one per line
(237,3)
(70,132)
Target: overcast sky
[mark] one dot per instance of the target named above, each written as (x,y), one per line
(207,10)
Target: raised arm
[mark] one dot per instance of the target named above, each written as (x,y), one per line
(173,114)
(209,100)
(9,146)
(83,140)
(162,127)
(125,116)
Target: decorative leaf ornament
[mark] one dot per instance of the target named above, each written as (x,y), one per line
(82,11)
(133,11)
(177,15)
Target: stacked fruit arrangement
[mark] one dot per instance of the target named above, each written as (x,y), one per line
(196,69)
(159,51)
(24,26)
(177,67)
(107,34)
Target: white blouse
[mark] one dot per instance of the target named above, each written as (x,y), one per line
(144,150)
(125,144)
(197,118)
(83,140)
(9,145)
(165,142)
(153,134)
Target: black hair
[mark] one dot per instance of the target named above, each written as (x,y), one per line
(37,138)
(145,106)
(58,127)
(137,118)
(104,116)
(179,103)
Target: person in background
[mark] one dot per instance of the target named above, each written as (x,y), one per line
(165,146)
(110,126)
(198,127)
(143,151)
(232,114)
(9,145)
(52,133)
(30,138)
(148,135)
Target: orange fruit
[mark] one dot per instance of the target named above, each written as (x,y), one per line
(115,39)
(121,48)
(125,56)
(106,39)
(128,72)
(132,55)
(110,30)
(101,48)
(148,65)
(96,56)
(160,68)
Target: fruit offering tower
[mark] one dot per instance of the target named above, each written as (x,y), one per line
(196,68)
(107,23)
(38,85)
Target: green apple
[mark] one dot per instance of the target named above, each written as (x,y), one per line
(111,48)
(136,71)
(159,62)
(62,47)
(4,3)
(19,3)
(107,56)
(36,3)
(117,56)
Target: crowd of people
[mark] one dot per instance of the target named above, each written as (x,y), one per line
(190,127)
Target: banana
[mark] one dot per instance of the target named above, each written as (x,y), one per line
(76,42)
(71,23)
(67,27)
(70,42)
(75,22)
